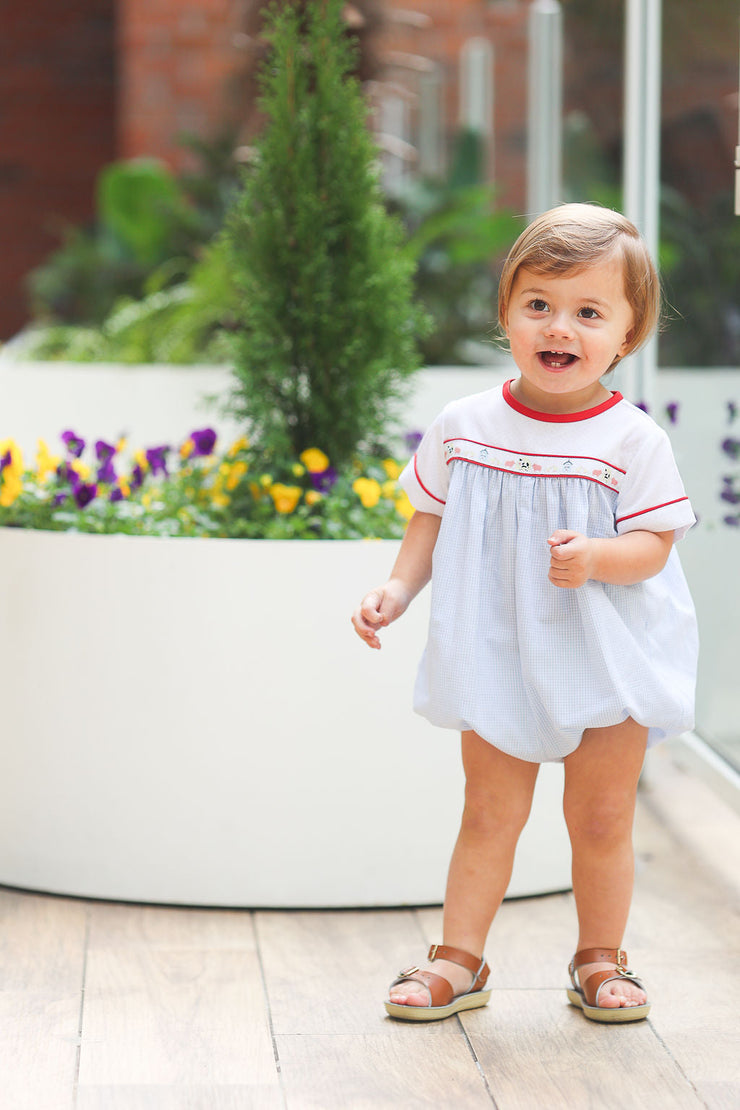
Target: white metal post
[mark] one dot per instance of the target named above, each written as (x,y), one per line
(642,73)
(544,106)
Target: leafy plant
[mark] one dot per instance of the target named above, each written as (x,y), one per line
(326,324)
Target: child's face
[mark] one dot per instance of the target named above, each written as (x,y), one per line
(565,332)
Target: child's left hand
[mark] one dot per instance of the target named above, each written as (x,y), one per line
(570,559)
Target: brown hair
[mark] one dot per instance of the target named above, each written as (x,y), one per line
(572,237)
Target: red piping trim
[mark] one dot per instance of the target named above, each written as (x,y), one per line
(525,474)
(652,509)
(426,491)
(533,454)
(559,417)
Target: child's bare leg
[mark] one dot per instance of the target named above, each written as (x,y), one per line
(498,798)
(601,778)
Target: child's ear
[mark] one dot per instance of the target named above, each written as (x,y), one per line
(626,343)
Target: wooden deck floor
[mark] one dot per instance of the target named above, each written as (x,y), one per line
(114,1007)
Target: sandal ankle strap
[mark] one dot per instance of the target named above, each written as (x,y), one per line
(475,965)
(616,956)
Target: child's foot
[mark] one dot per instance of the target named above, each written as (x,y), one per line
(410,993)
(619,992)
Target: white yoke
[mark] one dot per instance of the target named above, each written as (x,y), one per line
(526,664)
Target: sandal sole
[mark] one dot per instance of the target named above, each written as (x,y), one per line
(616,1015)
(437,1013)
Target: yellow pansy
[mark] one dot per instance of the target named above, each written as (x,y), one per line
(12,488)
(389,489)
(266,481)
(187,449)
(238,445)
(121,445)
(81,469)
(368,491)
(298,470)
(284,497)
(256,490)
(124,487)
(15,463)
(46,463)
(404,506)
(140,459)
(314,460)
(238,470)
(313,497)
(392,468)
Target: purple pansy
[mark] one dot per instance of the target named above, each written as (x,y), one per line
(324,480)
(5,460)
(75,444)
(729,493)
(733,521)
(412,441)
(116,494)
(84,493)
(731,411)
(731,447)
(204,440)
(157,459)
(107,473)
(137,477)
(672,411)
(68,474)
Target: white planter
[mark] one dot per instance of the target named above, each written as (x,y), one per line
(194,721)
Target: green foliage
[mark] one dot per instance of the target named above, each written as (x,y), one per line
(700,268)
(327,327)
(181,323)
(149,227)
(456,236)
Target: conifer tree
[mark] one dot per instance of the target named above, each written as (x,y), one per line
(328,326)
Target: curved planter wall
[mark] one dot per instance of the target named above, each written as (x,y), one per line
(194,721)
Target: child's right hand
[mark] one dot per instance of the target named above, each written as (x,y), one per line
(377,609)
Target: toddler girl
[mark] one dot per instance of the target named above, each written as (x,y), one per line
(561,624)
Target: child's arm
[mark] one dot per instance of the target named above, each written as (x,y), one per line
(623,560)
(411,572)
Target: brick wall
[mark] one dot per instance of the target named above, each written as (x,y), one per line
(181,70)
(57,128)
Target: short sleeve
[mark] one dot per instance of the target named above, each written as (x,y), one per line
(425,478)
(652,496)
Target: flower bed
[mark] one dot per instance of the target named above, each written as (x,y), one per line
(197,490)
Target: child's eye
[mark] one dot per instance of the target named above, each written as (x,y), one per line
(589,313)
(538,305)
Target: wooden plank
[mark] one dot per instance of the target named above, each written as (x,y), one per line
(409,1067)
(175,1017)
(329,972)
(179,1098)
(115,925)
(536,1050)
(42,943)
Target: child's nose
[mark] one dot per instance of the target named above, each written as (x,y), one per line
(559,323)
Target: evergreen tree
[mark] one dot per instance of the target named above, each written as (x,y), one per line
(327,326)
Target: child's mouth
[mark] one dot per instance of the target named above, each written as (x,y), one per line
(556,360)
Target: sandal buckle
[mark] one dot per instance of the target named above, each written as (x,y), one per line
(408,971)
(433,953)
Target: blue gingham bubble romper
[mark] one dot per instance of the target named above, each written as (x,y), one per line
(526,664)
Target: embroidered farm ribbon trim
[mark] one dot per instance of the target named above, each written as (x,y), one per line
(540,466)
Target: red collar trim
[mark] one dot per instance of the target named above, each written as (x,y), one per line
(559,417)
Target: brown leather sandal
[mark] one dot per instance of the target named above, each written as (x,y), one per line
(443,1002)
(586,996)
